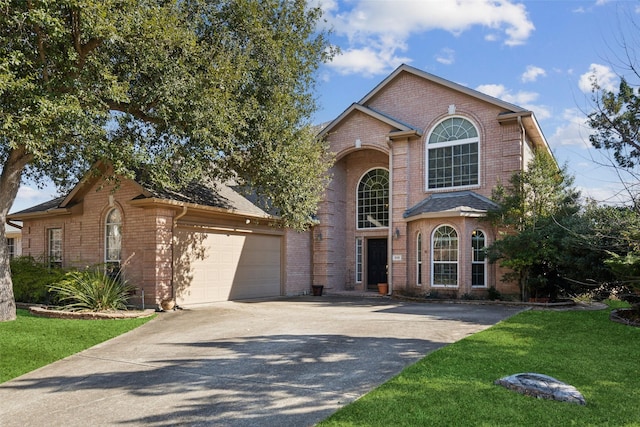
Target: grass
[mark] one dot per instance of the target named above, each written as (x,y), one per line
(31,342)
(454,385)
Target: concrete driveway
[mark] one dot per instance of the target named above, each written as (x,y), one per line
(284,362)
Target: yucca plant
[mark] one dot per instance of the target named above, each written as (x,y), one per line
(92,290)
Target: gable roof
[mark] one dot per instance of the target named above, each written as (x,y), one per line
(215,196)
(392,122)
(459,203)
(511,112)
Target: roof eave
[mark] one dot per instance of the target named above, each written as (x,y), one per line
(174,204)
(452,213)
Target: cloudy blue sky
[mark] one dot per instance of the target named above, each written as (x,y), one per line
(538,54)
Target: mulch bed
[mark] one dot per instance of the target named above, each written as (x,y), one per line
(89,315)
(627,316)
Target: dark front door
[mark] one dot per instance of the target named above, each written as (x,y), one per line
(376,262)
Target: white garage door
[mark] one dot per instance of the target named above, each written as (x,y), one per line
(213,267)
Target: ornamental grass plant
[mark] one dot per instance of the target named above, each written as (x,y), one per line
(92,290)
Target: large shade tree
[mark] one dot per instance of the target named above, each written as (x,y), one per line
(181,89)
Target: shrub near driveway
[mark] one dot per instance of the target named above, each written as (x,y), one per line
(454,385)
(30,342)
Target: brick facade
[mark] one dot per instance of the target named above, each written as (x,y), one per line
(389,129)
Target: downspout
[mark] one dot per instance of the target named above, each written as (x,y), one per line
(173,244)
(523,141)
(390,231)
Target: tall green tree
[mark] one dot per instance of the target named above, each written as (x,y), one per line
(182,89)
(533,207)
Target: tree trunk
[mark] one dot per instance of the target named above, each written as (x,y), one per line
(9,185)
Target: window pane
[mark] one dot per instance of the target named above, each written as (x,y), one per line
(55,246)
(454,164)
(445,256)
(113,237)
(373,199)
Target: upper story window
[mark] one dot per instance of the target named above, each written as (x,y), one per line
(113,237)
(452,154)
(373,199)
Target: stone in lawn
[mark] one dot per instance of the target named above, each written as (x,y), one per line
(542,387)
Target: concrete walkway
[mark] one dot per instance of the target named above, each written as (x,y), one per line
(282,362)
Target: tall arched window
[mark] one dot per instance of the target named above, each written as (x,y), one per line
(478,260)
(452,154)
(113,237)
(445,257)
(373,199)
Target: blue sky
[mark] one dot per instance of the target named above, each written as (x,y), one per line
(538,54)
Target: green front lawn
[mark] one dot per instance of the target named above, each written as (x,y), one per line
(454,385)
(30,342)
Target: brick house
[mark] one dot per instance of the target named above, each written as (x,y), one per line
(416,161)
(202,244)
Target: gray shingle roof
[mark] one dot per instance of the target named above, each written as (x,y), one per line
(42,207)
(448,202)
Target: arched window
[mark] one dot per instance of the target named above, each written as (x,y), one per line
(478,260)
(452,154)
(373,199)
(113,237)
(445,257)
(419,259)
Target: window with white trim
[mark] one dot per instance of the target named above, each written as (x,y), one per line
(453,154)
(373,199)
(444,267)
(113,237)
(478,259)
(54,248)
(359,259)
(419,259)
(11,246)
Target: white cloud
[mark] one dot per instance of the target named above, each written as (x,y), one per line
(446,56)
(532,73)
(378,29)
(600,74)
(367,61)
(574,131)
(522,99)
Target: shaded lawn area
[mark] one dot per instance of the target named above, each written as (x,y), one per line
(454,386)
(31,342)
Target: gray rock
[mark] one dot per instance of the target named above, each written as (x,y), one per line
(542,387)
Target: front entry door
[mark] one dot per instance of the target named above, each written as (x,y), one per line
(376,263)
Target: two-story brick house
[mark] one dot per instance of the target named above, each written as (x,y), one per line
(416,161)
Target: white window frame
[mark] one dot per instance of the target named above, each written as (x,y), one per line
(474,261)
(11,247)
(54,246)
(445,144)
(110,225)
(359,259)
(419,259)
(375,226)
(434,255)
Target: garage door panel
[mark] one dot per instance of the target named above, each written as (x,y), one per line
(220,267)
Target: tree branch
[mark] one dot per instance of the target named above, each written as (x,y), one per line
(40,36)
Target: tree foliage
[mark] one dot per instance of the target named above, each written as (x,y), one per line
(616,122)
(533,210)
(180,89)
